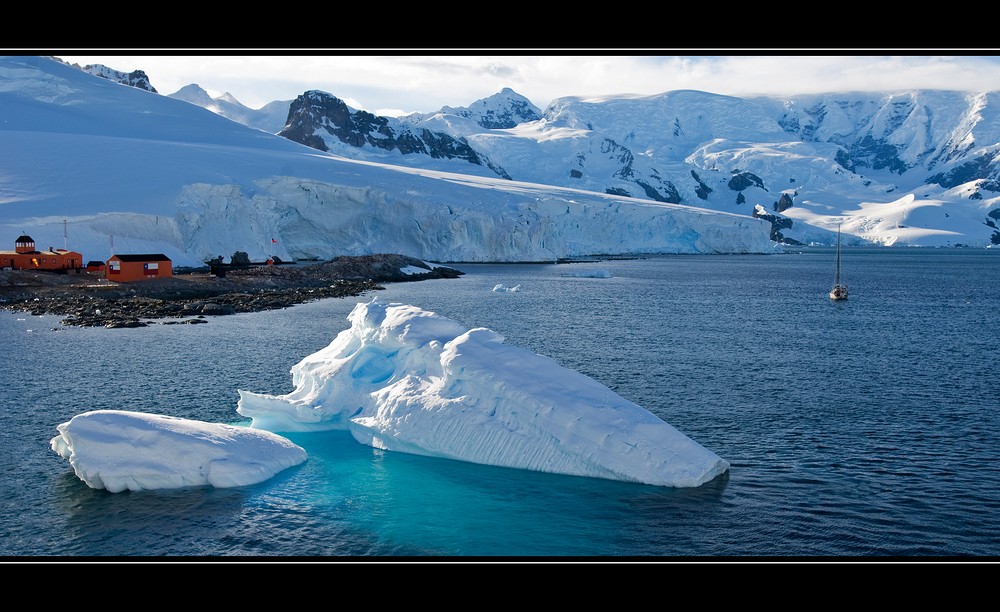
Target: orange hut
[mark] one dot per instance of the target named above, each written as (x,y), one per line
(128,268)
(26,257)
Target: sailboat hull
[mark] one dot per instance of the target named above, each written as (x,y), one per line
(839,291)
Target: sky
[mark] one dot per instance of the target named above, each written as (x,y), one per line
(390,84)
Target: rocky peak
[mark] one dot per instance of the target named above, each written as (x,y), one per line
(136,78)
(316,116)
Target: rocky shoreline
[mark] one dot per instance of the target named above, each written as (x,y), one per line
(92,301)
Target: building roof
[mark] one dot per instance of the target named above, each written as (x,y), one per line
(24,238)
(147,257)
(59,252)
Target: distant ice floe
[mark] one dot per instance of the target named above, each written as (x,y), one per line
(409,380)
(500,287)
(588,274)
(120,450)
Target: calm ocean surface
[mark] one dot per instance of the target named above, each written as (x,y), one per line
(860,429)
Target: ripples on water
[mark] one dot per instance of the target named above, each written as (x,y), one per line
(864,428)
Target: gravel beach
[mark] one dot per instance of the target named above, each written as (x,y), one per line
(192,297)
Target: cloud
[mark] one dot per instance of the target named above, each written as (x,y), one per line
(425,83)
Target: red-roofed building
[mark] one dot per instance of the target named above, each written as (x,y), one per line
(26,257)
(128,268)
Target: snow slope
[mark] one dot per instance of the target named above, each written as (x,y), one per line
(104,168)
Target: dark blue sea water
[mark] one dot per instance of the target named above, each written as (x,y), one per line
(859,429)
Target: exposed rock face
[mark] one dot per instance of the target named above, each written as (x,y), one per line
(315,115)
(90,301)
(742,180)
(784,203)
(982,167)
(702,190)
(778,223)
(136,78)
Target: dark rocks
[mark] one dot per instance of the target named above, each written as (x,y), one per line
(315,112)
(743,180)
(91,301)
(784,203)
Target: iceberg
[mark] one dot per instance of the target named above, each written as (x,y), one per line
(406,379)
(118,450)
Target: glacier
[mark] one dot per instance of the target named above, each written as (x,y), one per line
(406,379)
(103,168)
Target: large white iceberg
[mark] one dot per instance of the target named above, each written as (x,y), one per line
(406,379)
(118,450)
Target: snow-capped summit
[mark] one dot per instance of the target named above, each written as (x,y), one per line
(194,94)
(269,118)
(500,111)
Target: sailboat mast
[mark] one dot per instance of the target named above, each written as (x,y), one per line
(836,278)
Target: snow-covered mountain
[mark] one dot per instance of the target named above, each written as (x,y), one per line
(270,118)
(505,110)
(102,168)
(902,168)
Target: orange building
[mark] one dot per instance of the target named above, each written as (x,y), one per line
(25,257)
(127,268)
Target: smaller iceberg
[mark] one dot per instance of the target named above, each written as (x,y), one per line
(500,287)
(118,450)
(406,379)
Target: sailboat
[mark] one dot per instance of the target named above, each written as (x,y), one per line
(839,291)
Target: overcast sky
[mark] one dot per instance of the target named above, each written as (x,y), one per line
(387,84)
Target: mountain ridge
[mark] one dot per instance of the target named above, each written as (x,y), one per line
(812,161)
